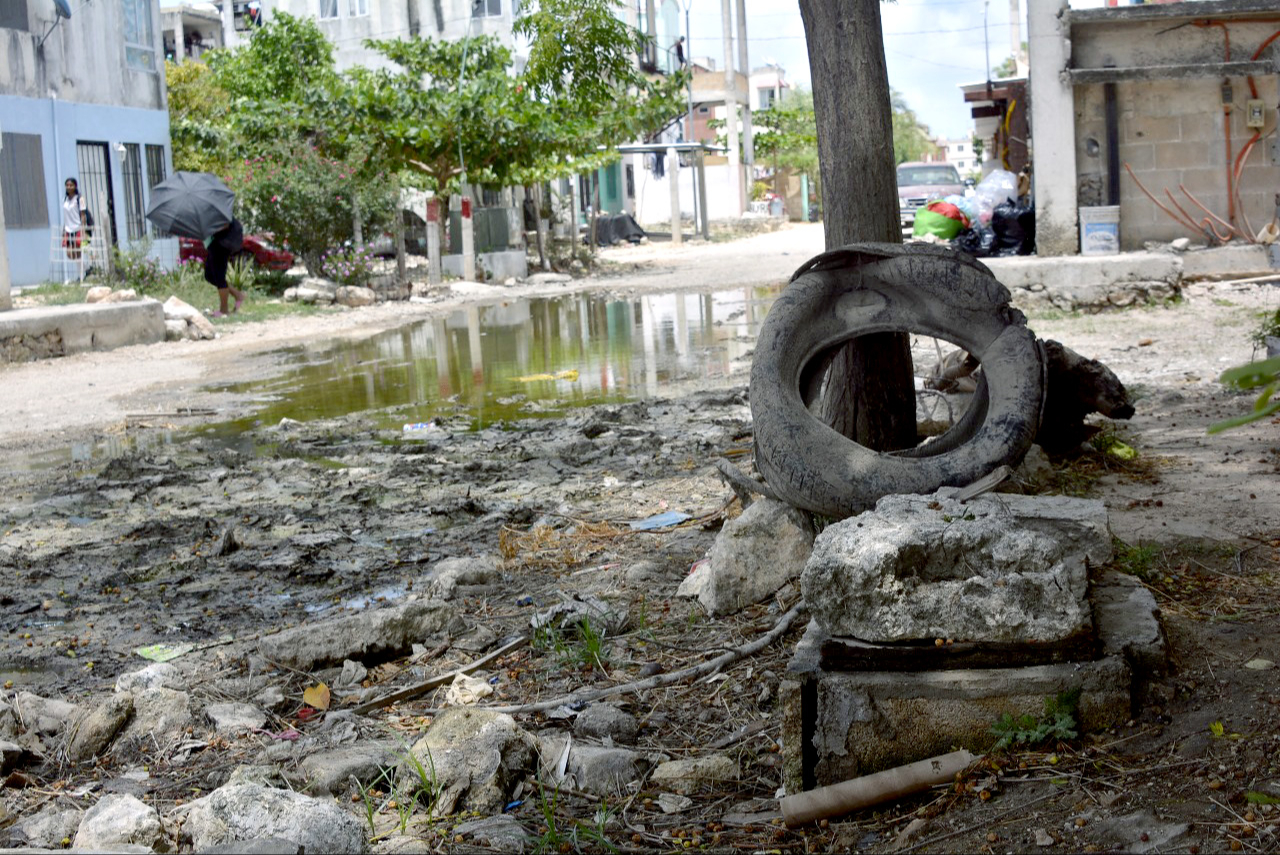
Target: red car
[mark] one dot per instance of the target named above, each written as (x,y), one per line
(259,246)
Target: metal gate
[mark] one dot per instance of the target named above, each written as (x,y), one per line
(95,186)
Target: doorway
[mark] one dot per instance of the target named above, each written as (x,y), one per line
(95,184)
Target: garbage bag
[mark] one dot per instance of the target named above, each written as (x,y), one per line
(998,186)
(1014,224)
(979,241)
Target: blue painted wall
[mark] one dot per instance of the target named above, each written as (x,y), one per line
(60,125)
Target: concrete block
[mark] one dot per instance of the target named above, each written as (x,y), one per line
(1152,129)
(837,726)
(1139,155)
(1204,125)
(1132,618)
(1181,155)
(499,265)
(76,328)
(1236,261)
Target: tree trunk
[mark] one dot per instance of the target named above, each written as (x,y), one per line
(868,394)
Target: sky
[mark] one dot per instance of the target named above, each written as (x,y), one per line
(931,47)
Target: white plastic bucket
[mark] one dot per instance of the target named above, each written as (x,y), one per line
(1100,230)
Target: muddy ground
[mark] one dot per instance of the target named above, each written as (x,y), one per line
(228,548)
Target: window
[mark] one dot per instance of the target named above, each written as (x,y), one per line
(356,8)
(131,170)
(13,14)
(486,8)
(328,9)
(139,35)
(960,148)
(22,180)
(155,174)
(766,97)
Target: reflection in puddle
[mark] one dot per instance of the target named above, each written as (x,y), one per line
(488,364)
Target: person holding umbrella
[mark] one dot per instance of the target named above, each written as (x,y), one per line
(198,205)
(220,246)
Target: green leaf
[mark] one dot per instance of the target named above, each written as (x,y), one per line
(1256,798)
(1217,729)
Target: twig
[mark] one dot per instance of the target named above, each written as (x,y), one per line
(659,680)
(978,825)
(438,680)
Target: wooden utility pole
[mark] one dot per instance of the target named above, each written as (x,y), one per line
(869,393)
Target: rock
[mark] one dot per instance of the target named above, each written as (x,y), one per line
(355,296)
(91,735)
(502,833)
(8,722)
(271,698)
(124,295)
(478,757)
(97,294)
(689,776)
(263,775)
(119,820)
(235,717)
(671,803)
(1034,470)
(47,829)
(176,309)
(593,769)
(1180,244)
(256,846)
(176,330)
(378,634)
(13,755)
(163,713)
(290,295)
(402,844)
(1260,664)
(1004,568)
(1044,838)
(753,556)
(353,673)
(449,573)
(602,721)
(246,812)
(1138,832)
(156,675)
(548,278)
(45,716)
(332,771)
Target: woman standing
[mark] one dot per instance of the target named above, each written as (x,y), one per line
(76,220)
(221,245)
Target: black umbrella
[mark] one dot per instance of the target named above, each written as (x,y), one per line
(191,204)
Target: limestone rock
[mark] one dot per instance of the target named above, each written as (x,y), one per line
(548,278)
(1130,612)
(262,774)
(97,293)
(8,722)
(13,755)
(164,675)
(595,769)
(118,820)
(124,295)
(1003,568)
(93,732)
(478,757)
(355,296)
(235,717)
(752,557)
(374,634)
(44,715)
(46,829)
(332,771)
(449,573)
(176,330)
(257,846)
(501,832)
(246,812)
(689,776)
(159,712)
(602,721)
(176,309)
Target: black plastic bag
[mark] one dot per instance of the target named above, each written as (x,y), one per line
(979,241)
(1014,224)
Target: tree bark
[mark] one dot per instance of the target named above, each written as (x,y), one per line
(868,394)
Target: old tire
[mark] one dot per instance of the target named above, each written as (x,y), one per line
(869,288)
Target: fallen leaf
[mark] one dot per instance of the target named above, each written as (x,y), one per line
(317,696)
(1146,342)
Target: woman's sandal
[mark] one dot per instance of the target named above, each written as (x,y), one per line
(239,303)
(217,314)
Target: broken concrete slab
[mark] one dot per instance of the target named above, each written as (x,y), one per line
(48,331)
(1129,612)
(690,776)
(1004,568)
(371,636)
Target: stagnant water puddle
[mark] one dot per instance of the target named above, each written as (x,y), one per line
(517,359)
(487,364)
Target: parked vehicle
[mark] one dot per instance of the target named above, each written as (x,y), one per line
(920,183)
(264,253)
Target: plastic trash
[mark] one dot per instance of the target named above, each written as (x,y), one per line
(1014,224)
(998,186)
(941,219)
(164,652)
(966,204)
(978,241)
(662,520)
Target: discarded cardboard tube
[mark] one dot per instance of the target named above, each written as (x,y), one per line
(857,793)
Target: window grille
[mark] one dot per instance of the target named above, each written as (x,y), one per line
(155,174)
(131,171)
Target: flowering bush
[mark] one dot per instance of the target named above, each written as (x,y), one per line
(349,265)
(309,201)
(132,268)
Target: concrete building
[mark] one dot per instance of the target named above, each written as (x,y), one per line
(80,97)
(768,86)
(190,30)
(960,154)
(1152,89)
